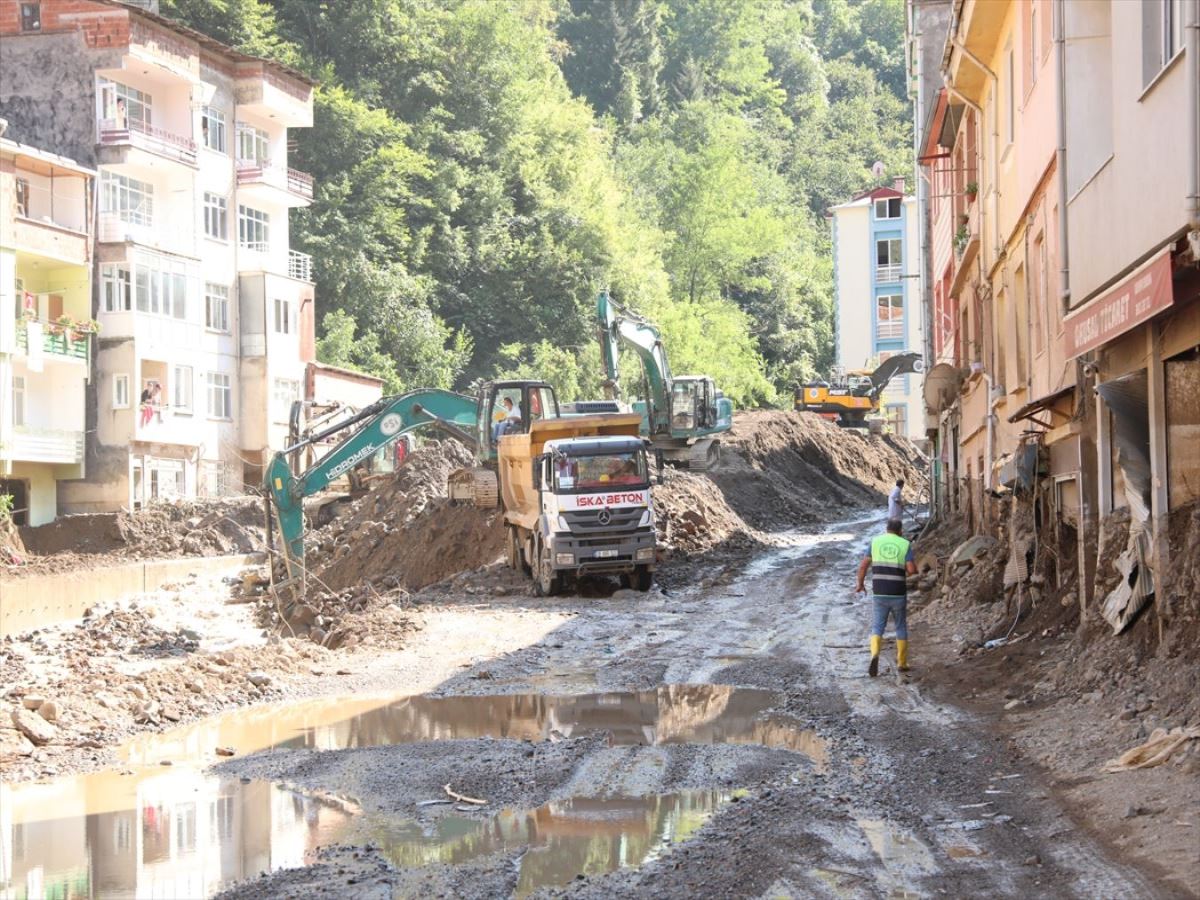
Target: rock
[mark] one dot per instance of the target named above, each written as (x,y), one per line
(1132,811)
(1012,704)
(48,711)
(195,687)
(139,691)
(191,634)
(1127,715)
(258,678)
(171,714)
(225,751)
(1034,860)
(33,726)
(32,701)
(302,615)
(317,635)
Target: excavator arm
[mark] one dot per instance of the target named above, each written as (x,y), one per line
(900,364)
(619,327)
(381,424)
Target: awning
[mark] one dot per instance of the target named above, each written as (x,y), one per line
(1033,407)
(1146,292)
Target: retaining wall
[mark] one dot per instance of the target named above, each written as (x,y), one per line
(42,600)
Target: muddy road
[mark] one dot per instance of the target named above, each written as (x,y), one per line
(714,740)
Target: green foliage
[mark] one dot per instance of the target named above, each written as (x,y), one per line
(6,508)
(483,168)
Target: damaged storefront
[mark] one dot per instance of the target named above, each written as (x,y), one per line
(1140,342)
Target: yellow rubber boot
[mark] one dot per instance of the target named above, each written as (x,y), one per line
(876,644)
(902,655)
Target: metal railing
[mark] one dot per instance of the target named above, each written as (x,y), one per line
(60,344)
(148,137)
(887,273)
(299,265)
(294,181)
(889,329)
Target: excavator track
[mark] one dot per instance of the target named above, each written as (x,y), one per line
(475,485)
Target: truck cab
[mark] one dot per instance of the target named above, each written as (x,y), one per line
(596,514)
(511,407)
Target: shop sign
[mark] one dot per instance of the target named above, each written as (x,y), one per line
(1142,295)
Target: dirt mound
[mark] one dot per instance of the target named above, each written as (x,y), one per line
(161,530)
(404,532)
(785,469)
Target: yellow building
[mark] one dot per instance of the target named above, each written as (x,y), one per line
(46,331)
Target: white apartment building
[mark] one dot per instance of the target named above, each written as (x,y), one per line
(205,312)
(877,304)
(45,282)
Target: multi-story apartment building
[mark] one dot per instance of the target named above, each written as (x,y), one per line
(877,308)
(45,325)
(1062,260)
(206,313)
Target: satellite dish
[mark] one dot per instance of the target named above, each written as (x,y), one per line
(877,169)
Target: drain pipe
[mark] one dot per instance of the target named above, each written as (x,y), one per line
(1060,153)
(1193,63)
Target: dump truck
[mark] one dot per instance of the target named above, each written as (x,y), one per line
(576,487)
(576,497)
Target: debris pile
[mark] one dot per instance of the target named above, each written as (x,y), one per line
(159,531)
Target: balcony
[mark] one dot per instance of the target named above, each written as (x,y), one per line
(173,238)
(158,141)
(49,239)
(46,445)
(60,346)
(299,266)
(887,274)
(892,330)
(288,186)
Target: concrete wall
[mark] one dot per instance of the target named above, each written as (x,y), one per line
(1144,172)
(854,265)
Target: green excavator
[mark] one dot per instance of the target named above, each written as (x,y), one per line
(682,415)
(472,420)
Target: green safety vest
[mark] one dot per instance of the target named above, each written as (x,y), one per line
(888,553)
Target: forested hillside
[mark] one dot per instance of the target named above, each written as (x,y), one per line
(485,166)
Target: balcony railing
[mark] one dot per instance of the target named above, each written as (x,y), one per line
(47,445)
(148,137)
(251,171)
(299,265)
(55,344)
(885,274)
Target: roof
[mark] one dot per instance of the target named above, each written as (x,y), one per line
(45,156)
(207,42)
(347,373)
(866,198)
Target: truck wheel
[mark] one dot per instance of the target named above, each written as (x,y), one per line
(546,583)
(642,579)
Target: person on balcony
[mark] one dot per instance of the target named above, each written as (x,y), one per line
(149,401)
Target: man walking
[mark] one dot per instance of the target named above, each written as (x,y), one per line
(895,504)
(890,559)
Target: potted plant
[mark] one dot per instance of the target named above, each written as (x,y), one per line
(87,326)
(972,190)
(62,324)
(961,237)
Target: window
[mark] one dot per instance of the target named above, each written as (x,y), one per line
(1010,90)
(888,208)
(23,197)
(889,317)
(125,107)
(887,260)
(216,307)
(286,393)
(220,396)
(31,17)
(115,290)
(212,129)
(18,412)
(897,418)
(252,144)
(1033,43)
(163,293)
(285,317)
(120,398)
(253,228)
(127,198)
(1037,293)
(216,216)
(181,389)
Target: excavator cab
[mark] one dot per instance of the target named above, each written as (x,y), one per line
(528,401)
(693,403)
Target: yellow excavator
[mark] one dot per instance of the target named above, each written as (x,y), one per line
(849,397)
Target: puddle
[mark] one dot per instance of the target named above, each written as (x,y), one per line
(672,714)
(177,832)
(796,546)
(565,837)
(905,858)
(184,834)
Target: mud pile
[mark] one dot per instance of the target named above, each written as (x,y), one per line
(161,530)
(404,533)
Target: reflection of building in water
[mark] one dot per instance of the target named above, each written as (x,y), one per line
(179,834)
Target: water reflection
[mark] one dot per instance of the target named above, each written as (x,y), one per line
(174,834)
(565,838)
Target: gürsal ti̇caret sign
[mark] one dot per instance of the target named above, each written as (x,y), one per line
(1143,294)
